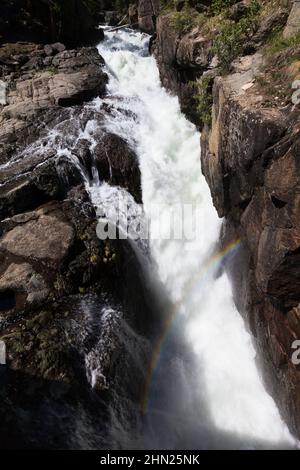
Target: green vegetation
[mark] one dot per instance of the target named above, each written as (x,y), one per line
(278,43)
(218,6)
(228,36)
(229,44)
(183,21)
(203,98)
(231,36)
(282,68)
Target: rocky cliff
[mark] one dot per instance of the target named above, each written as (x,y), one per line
(233,65)
(67,298)
(147,14)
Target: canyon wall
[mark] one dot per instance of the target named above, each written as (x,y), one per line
(250,146)
(148,10)
(72,305)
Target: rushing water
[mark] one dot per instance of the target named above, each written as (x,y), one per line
(204,389)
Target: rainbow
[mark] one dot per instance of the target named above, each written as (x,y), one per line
(211,265)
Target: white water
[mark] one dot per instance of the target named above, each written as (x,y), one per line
(224,380)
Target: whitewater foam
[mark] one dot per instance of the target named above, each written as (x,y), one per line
(168,147)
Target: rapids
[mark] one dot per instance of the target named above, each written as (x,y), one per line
(204,389)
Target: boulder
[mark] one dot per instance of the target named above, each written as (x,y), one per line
(52,49)
(21,284)
(76,76)
(117,164)
(293,24)
(84,155)
(44,238)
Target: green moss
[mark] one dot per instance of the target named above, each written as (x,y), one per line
(203,98)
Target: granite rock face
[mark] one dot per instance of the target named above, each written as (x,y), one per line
(65,295)
(117,164)
(250,160)
(181,60)
(148,10)
(65,78)
(293,23)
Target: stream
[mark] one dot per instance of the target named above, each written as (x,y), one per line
(203,388)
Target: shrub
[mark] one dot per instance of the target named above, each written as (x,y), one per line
(229,43)
(218,6)
(183,21)
(204,99)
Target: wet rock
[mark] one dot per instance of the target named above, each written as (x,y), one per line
(112,18)
(118,164)
(35,100)
(65,295)
(63,320)
(84,155)
(76,77)
(46,182)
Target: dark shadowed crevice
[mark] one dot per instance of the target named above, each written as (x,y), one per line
(278,203)
(7,300)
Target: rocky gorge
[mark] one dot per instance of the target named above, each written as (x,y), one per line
(232,66)
(249,156)
(59,283)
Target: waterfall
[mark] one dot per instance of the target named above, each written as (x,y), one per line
(204,389)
